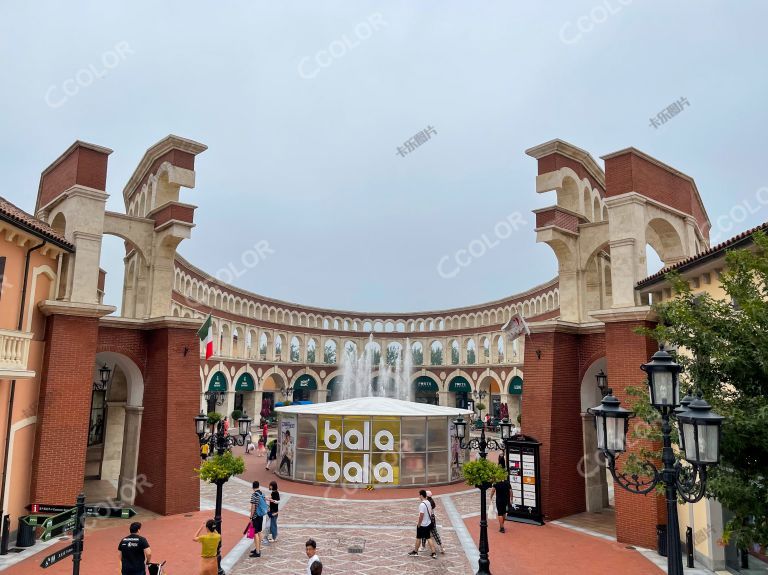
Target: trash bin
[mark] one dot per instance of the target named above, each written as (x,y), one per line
(25,536)
(661,539)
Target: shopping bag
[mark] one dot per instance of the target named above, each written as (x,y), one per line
(250,532)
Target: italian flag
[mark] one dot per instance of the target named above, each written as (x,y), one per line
(205,333)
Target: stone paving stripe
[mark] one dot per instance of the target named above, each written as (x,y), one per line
(237,553)
(467,543)
(661,563)
(586,531)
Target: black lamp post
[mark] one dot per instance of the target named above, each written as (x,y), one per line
(480,396)
(482,444)
(216,397)
(699,429)
(602,382)
(222,443)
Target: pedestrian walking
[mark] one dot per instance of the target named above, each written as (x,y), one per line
(249,446)
(424,525)
(258,511)
(264,431)
(272,452)
(435,534)
(311,549)
(502,491)
(262,447)
(210,540)
(274,503)
(134,551)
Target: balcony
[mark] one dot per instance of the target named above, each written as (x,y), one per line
(14,352)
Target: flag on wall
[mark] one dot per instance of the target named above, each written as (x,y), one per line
(516,326)
(205,333)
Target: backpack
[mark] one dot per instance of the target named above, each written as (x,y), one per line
(262,508)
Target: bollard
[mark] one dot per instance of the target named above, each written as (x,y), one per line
(689,545)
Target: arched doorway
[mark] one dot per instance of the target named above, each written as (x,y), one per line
(462,390)
(515,399)
(115,429)
(245,384)
(216,396)
(304,387)
(426,390)
(598,488)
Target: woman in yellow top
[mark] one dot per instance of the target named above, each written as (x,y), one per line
(210,542)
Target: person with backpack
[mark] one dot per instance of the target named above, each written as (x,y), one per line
(259,509)
(424,525)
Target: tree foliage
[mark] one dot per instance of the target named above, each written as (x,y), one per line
(725,355)
(221,467)
(482,472)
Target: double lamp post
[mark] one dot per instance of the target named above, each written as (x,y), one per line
(482,444)
(221,443)
(699,430)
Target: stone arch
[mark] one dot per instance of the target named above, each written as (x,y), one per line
(457,372)
(588,212)
(663,237)
(568,196)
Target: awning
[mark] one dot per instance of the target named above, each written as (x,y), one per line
(245,383)
(459,384)
(426,383)
(516,386)
(305,382)
(218,382)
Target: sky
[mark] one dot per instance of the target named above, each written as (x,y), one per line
(310,109)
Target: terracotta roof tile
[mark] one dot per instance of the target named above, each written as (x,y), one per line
(703,255)
(18,216)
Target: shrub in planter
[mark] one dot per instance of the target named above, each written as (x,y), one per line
(237,414)
(221,467)
(213,417)
(483,473)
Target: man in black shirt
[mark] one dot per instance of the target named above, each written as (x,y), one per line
(503,493)
(134,552)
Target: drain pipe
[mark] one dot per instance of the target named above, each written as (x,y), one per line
(6,529)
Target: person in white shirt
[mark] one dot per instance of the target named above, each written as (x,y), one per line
(311,548)
(424,525)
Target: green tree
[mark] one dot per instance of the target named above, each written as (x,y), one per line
(311,354)
(454,355)
(330,353)
(471,356)
(726,357)
(393,353)
(376,356)
(436,357)
(418,356)
(263,350)
(294,353)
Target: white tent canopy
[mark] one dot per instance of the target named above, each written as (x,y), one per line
(374,406)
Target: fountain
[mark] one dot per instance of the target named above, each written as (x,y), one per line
(360,379)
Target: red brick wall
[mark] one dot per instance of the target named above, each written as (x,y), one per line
(555,161)
(82,166)
(174,211)
(169,450)
(552,414)
(636,515)
(64,409)
(631,173)
(559,218)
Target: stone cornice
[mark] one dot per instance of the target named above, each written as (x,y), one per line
(164,146)
(55,307)
(640,313)
(167,321)
(561,326)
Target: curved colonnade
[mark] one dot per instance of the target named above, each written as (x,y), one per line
(275,350)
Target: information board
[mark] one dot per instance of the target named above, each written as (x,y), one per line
(525,479)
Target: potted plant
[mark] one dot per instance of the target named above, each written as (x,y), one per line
(219,468)
(236,414)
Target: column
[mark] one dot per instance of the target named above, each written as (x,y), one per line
(592,467)
(128,482)
(443,397)
(322,395)
(113,440)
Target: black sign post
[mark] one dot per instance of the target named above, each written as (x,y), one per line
(78,535)
(54,558)
(525,479)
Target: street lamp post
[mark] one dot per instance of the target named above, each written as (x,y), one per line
(480,396)
(699,429)
(221,442)
(484,564)
(602,382)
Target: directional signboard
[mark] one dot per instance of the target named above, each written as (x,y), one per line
(59,529)
(58,556)
(35,508)
(114,512)
(64,517)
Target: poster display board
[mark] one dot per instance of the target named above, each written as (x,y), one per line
(525,479)
(286,445)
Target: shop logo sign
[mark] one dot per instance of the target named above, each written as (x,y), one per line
(357,450)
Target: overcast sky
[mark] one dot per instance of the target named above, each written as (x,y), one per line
(303,106)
